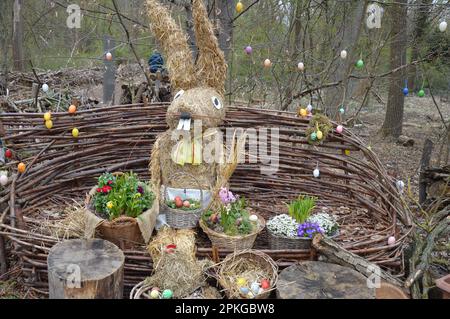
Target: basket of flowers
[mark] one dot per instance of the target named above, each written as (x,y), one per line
(296,229)
(184,210)
(231,225)
(248,274)
(115,205)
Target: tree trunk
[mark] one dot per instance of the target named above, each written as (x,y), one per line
(224,16)
(18,36)
(85,269)
(393,121)
(420,21)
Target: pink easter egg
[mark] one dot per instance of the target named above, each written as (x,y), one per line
(339,129)
(248,50)
(391,241)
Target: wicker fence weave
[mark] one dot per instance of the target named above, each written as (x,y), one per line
(61,168)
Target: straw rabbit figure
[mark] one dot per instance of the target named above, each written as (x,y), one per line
(197,108)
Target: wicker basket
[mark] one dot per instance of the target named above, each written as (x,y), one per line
(178,218)
(223,241)
(281,242)
(263,261)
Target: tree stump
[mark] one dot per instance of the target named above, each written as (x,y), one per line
(85,269)
(319,280)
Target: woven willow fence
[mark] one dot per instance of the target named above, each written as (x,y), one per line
(61,169)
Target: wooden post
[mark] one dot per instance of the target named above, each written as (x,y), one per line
(424,163)
(109,76)
(18,36)
(3,262)
(85,269)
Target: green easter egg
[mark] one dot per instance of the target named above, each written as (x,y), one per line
(341,110)
(360,64)
(421,93)
(313,136)
(167,294)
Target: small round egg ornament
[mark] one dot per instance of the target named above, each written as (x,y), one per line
(343,54)
(21,167)
(267,63)
(3,180)
(49,124)
(400,185)
(47,116)
(241,282)
(72,109)
(248,49)
(339,129)
(250,295)
(8,153)
(391,241)
(253,218)
(405,91)
(443,26)
(316,173)
(244,290)
(75,132)
(301,66)
(265,284)
(255,288)
(154,294)
(421,93)
(319,135)
(347,152)
(45,87)
(303,112)
(342,110)
(360,64)
(239,7)
(108,56)
(309,108)
(167,294)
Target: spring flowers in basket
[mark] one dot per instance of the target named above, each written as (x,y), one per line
(232,216)
(300,223)
(121,195)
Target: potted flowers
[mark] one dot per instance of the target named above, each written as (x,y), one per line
(231,225)
(119,206)
(296,229)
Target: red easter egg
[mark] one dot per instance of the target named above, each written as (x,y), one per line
(8,153)
(265,284)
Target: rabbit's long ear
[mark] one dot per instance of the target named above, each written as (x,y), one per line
(211,65)
(173,41)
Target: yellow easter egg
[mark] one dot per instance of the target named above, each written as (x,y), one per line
(303,112)
(239,7)
(319,135)
(241,282)
(347,152)
(48,124)
(47,116)
(75,132)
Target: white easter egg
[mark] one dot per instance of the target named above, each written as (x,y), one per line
(391,241)
(443,26)
(309,108)
(343,54)
(301,66)
(316,173)
(253,218)
(3,180)
(255,288)
(400,185)
(45,87)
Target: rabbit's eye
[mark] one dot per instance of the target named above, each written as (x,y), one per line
(216,102)
(179,93)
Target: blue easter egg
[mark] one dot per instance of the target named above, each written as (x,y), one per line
(405,91)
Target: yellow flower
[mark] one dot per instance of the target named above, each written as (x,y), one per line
(109,205)
(137,195)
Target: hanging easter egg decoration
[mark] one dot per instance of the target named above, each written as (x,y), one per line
(347,152)
(421,93)
(301,66)
(167,294)
(391,241)
(8,153)
(267,63)
(360,64)
(309,108)
(45,87)
(303,112)
(405,91)
(248,49)
(239,7)
(316,173)
(342,110)
(443,26)
(75,132)
(343,54)
(49,124)
(313,136)
(47,116)
(21,167)
(108,56)
(400,186)
(3,179)
(339,129)
(72,109)
(319,135)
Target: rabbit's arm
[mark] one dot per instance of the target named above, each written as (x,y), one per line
(155,166)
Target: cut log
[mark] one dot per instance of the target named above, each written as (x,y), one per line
(85,269)
(334,253)
(320,280)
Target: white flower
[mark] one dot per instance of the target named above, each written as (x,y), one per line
(283,225)
(326,222)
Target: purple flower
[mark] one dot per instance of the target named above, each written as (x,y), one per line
(309,229)
(140,189)
(226,196)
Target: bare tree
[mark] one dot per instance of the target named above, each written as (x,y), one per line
(393,121)
(18,36)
